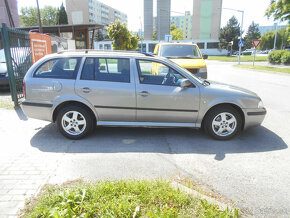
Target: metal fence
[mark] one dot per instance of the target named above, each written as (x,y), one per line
(16,44)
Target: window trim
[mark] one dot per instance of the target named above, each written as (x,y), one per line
(79,60)
(101,57)
(139,71)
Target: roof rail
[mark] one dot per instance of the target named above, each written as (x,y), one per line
(93,50)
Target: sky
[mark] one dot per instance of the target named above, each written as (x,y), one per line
(254,10)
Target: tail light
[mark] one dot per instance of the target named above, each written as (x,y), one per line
(24,89)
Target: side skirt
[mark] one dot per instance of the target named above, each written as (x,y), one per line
(147,124)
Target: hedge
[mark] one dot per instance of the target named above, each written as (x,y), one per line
(281,56)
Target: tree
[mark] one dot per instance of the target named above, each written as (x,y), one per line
(268,39)
(279,9)
(229,33)
(122,38)
(62,15)
(176,33)
(252,33)
(48,15)
(29,16)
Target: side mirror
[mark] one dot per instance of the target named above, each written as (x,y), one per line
(185,83)
(205,56)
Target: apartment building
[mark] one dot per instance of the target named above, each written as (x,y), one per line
(93,12)
(184,23)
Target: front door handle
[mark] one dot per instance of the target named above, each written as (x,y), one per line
(143,93)
(86,90)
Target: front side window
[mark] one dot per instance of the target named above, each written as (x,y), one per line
(106,69)
(180,51)
(155,73)
(60,68)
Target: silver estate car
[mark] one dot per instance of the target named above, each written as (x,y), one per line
(82,89)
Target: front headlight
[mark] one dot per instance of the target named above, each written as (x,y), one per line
(260,105)
(202,70)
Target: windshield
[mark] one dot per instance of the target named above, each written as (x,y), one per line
(180,51)
(2,56)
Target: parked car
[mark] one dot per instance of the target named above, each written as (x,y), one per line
(248,52)
(20,62)
(79,90)
(187,55)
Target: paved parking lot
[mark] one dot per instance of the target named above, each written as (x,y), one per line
(252,170)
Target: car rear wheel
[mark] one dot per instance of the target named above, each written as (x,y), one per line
(223,122)
(74,122)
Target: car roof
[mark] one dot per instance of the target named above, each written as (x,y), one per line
(176,43)
(114,53)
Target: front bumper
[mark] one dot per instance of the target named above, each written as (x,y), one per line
(254,117)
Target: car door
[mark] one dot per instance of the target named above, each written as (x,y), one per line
(108,85)
(160,98)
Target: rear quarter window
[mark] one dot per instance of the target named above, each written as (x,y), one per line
(59,68)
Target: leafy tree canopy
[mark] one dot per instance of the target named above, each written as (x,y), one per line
(122,38)
(176,33)
(268,39)
(29,16)
(279,9)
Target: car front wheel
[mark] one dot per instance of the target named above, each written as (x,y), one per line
(223,122)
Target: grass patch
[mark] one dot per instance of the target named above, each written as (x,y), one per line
(6,105)
(265,68)
(125,198)
(236,59)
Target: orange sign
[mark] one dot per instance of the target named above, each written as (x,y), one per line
(40,45)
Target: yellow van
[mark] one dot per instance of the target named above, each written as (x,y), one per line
(187,55)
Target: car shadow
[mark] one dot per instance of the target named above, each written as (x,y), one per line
(157,140)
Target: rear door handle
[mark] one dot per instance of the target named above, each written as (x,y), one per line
(86,90)
(143,93)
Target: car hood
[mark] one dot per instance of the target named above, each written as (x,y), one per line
(230,88)
(189,63)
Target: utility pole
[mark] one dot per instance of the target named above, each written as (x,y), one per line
(276,27)
(39,18)
(9,14)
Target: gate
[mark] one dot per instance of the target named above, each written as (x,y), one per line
(16,44)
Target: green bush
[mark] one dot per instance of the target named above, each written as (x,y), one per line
(285,58)
(275,56)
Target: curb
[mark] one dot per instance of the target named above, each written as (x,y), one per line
(194,193)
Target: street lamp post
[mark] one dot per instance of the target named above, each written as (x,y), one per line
(241,31)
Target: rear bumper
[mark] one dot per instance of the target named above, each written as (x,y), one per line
(254,117)
(41,111)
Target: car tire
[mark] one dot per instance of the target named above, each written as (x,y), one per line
(223,122)
(75,122)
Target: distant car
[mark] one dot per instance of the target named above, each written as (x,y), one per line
(79,90)
(248,52)
(22,56)
(186,55)
(235,52)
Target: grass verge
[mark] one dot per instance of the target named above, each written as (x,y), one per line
(6,105)
(265,68)
(234,58)
(125,198)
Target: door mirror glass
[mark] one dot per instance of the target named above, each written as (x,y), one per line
(205,56)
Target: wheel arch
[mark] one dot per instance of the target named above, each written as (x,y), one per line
(72,102)
(238,108)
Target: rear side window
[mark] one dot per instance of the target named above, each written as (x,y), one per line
(106,69)
(60,68)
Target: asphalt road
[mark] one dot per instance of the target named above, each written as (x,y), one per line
(252,169)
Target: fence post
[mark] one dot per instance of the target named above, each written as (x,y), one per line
(11,76)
